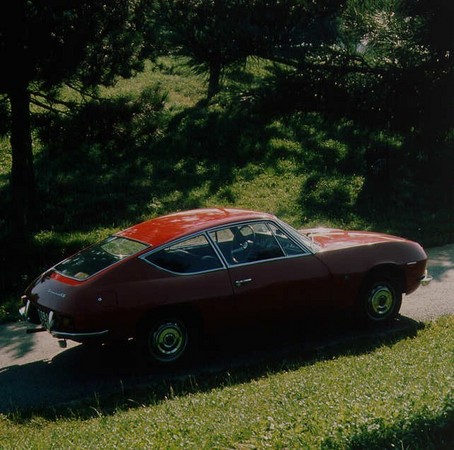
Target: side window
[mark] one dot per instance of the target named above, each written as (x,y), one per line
(289,247)
(246,243)
(190,256)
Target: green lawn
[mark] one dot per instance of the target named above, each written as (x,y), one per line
(397,394)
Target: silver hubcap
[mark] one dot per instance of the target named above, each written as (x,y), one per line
(381,301)
(168,341)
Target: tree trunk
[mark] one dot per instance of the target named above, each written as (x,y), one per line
(214,79)
(22,173)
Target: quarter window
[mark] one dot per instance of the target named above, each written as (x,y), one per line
(289,247)
(189,256)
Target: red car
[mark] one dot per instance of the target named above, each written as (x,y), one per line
(169,279)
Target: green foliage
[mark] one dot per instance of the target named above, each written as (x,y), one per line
(9,310)
(48,43)
(332,197)
(215,34)
(389,65)
(105,145)
(378,395)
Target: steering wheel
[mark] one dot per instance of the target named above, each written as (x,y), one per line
(243,240)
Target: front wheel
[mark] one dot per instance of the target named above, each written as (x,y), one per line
(167,341)
(380,300)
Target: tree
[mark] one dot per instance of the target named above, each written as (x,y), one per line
(406,53)
(407,47)
(389,65)
(217,33)
(390,61)
(48,44)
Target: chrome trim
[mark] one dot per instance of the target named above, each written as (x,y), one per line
(291,233)
(239,283)
(263,261)
(144,256)
(76,336)
(188,274)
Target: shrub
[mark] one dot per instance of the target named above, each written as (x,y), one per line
(332,197)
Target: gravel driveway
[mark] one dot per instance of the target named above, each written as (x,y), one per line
(35,372)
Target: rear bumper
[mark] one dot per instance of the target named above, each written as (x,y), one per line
(78,337)
(23,313)
(29,313)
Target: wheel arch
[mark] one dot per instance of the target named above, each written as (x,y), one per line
(389,270)
(189,313)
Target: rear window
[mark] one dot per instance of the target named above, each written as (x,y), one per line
(98,257)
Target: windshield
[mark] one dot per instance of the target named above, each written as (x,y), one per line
(98,257)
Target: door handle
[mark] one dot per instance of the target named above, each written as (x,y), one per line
(239,283)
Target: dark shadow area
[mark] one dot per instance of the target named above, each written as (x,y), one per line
(112,378)
(93,169)
(120,160)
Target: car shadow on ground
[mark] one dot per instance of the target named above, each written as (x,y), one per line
(118,375)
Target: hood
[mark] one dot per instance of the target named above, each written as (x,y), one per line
(335,238)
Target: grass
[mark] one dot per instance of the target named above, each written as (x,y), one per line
(375,396)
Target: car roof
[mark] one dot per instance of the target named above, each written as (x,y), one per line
(166,228)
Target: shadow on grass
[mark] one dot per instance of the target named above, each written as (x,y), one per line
(113,378)
(423,431)
(90,383)
(120,161)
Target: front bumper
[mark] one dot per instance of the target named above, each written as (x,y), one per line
(426,279)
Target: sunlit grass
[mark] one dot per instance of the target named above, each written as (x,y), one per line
(398,395)
(173,76)
(5,156)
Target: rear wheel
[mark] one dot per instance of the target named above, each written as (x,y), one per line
(168,340)
(380,299)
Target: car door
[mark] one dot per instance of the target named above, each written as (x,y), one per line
(192,274)
(272,280)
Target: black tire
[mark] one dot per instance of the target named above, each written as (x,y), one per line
(168,340)
(380,299)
